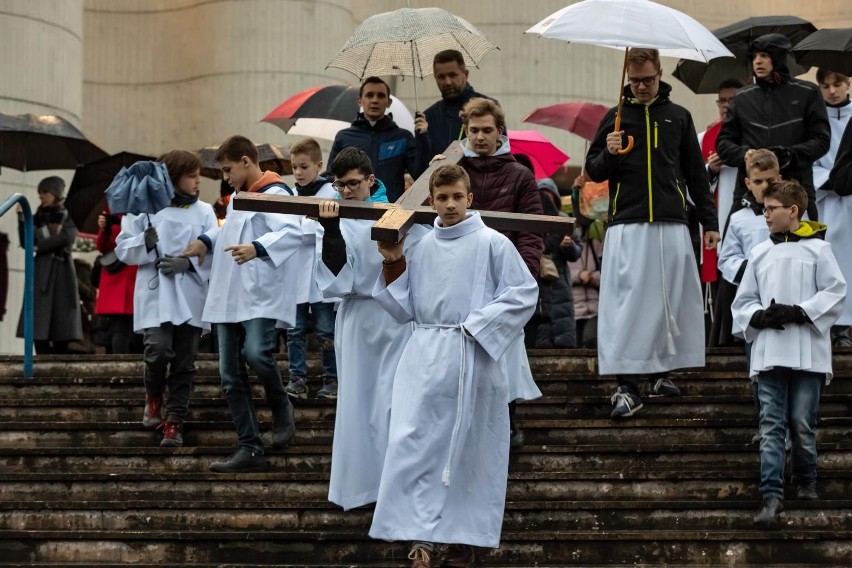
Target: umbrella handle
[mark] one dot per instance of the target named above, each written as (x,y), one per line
(629,147)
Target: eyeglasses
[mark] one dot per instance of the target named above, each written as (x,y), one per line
(647,81)
(769,209)
(351,184)
(721,102)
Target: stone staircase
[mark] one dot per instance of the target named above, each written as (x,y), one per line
(83,484)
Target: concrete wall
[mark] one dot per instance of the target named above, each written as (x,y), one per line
(153,75)
(42,70)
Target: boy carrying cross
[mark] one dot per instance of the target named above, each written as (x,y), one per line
(469,294)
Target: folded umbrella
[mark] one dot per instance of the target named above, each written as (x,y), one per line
(142,188)
(829,49)
(578,118)
(86,199)
(546,158)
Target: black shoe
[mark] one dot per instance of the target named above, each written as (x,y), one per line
(242,461)
(770,514)
(283,434)
(807,491)
(516,438)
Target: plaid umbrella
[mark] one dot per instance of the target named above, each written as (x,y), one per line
(405,41)
(43,142)
(269,157)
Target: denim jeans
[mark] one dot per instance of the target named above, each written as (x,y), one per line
(324,328)
(787,395)
(253,342)
(170,353)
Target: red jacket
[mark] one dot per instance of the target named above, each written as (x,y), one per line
(115,293)
(500,183)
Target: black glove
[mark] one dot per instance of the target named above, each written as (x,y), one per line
(762,320)
(784,155)
(786,313)
(169,265)
(151,238)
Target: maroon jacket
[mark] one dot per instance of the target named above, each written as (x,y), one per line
(500,183)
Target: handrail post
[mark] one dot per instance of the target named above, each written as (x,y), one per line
(29,276)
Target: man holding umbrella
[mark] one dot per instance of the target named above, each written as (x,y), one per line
(649,278)
(777,112)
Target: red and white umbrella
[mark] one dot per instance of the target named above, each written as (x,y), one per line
(322,112)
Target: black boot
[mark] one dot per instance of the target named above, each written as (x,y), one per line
(807,491)
(771,512)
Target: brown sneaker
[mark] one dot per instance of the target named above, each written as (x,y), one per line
(153,414)
(420,558)
(457,555)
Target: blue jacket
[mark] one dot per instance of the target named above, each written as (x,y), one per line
(392,151)
(444,122)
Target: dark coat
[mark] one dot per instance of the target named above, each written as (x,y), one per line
(557,327)
(649,184)
(840,178)
(57,300)
(783,114)
(445,125)
(500,183)
(392,150)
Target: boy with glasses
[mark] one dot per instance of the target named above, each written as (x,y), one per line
(791,293)
(367,341)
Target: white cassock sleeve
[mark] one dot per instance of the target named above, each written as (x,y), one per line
(395,298)
(202,271)
(746,302)
(130,242)
(825,307)
(731,256)
(281,237)
(499,322)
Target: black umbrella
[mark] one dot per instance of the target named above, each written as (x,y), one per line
(829,49)
(43,142)
(704,78)
(269,157)
(86,198)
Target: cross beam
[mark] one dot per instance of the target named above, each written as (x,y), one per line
(393,220)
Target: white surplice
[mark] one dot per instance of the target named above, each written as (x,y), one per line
(262,287)
(367,346)
(651,313)
(803,273)
(834,210)
(178,298)
(745,230)
(445,473)
(308,291)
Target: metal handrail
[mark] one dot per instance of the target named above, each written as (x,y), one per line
(29,270)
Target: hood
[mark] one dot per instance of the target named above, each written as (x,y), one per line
(806,230)
(267,179)
(548,185)
(777,46)
(503,148)
(384,123)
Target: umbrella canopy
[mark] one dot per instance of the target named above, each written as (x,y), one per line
(623,24)
(142,188)
(827,49)
(405,41)
(544,155)
(578,118)
(86,199)
(43,142)
(704,78)
(269,157)
(322,112)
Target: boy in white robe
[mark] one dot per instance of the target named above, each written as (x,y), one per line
(253,273)
(469,293)
(367,341)
(791,294)
(834,204)
(169,294)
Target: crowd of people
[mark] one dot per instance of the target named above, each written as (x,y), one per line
(423,341)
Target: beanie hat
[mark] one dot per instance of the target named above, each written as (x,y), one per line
(54,185)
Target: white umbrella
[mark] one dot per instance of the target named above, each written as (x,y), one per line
(405,41)
(622,24)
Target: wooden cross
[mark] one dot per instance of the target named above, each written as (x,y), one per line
(393,220)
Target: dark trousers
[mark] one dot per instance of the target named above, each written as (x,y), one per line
(630,383)
(170,352)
